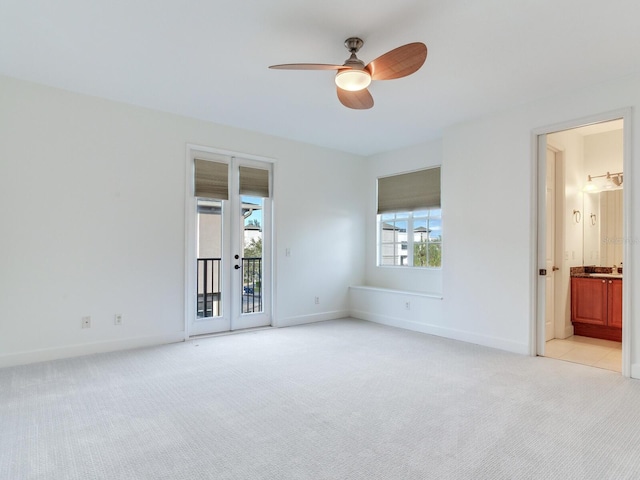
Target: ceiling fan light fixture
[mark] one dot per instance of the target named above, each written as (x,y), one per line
(353,76)
(353,80)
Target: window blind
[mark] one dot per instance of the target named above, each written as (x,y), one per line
(408,192)
(211,179)
(254,181)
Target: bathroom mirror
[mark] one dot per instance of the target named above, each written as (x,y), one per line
(602,228)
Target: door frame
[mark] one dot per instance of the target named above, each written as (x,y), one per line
(190,270)
(538,223)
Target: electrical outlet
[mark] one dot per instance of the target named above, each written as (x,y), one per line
(407,305)
(117,319)
(86,322)
(317,300)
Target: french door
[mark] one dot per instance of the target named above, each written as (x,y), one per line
(229,244)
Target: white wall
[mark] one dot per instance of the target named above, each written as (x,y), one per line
(92,214)
(400,278)
(603,152)
(572,148)
(486,193)
(320,197)
(489,281)
(489,275)
(402,297)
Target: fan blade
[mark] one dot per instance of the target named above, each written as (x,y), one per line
(307,66)
(399,62)
(360,100)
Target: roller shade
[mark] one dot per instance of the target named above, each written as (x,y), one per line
(211,179)
(254,182)
(408,192)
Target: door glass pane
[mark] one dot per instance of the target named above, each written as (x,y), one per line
(209,255)
(252,208)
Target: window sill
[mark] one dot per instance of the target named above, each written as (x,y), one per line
(437,296)
(406,267)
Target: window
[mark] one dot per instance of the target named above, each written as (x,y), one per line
(411,238)
(410,219)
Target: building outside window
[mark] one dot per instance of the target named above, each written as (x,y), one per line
(411,238)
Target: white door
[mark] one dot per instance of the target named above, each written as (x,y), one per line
(550,241)
(229,271)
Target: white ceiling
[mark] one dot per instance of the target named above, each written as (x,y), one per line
(209,59)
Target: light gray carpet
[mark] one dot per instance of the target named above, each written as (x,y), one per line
(343,399)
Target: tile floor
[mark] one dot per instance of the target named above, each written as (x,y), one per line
(586,351)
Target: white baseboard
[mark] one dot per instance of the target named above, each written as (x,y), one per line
(43,355)
(453,334)
(635,370)
(316,317)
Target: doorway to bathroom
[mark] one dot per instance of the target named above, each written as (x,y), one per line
(581,231)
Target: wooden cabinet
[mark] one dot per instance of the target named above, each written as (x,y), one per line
(596,307)
(615,303)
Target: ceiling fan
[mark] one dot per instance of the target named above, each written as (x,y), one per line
(354,77)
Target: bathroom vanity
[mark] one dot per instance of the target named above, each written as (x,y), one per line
(596,305)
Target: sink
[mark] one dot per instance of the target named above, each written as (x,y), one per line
(606,275)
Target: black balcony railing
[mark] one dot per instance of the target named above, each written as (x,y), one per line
(209,303)
(209,287)
(252,285)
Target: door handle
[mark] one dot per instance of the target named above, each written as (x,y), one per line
(236,267)
(555,269)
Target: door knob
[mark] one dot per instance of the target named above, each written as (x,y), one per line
(236,267)
(555,269)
